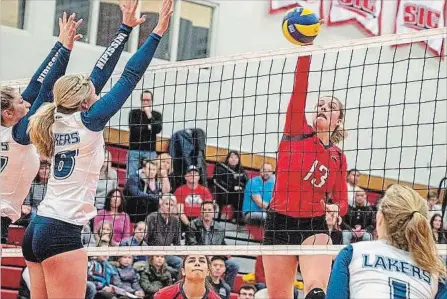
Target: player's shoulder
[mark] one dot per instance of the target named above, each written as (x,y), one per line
(168,292)
(375,246)
(212,295)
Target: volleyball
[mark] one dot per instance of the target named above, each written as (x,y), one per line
(300,26)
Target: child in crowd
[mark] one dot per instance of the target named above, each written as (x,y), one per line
(139,234)
(155,276)
(129,278)
(215,279)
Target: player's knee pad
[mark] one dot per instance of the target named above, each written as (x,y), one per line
(316,293)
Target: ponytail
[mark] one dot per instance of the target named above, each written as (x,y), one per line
(40,130)
(422,245)
(339,133)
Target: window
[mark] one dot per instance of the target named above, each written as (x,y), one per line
(12,13)
(150,9)
(195,30)
(109,20)
(82,10)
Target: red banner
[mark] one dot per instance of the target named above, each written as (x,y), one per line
(416,15)
(277,6)
(367,14)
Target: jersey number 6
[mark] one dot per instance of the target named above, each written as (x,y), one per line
(311,174)
(64,163)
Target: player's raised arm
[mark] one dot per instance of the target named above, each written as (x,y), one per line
(57,70)
(295,117)
(100,112)
(32,90)
(107,61)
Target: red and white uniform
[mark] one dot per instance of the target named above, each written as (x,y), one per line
(307,171)
(176,292)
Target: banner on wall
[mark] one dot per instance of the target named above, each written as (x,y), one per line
(416,15)
(283,5)
(367,14)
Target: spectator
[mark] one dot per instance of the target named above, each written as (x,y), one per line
(144,125)
(108,181)
(352,181)
(360,219)
(143,191)
(169,182)
(87,237)
(258,194)
(433,204)
(103,234)
(205,231)
(436,224)
(37,191)
(247,292)
(155,276)
(139,234)
(103,275)
(114,213)
(230,179)
(215,279)
(129,280)
(164,228)
(191,195)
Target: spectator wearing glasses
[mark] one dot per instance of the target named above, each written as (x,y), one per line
(144,125)
(247,292)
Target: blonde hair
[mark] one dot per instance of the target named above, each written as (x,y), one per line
(70,92)
(339,132)
(160,158)
(405,219)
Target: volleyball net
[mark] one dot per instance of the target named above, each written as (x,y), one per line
(393,89)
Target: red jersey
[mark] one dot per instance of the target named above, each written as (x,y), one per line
(307,170)
(176,292)
(192,199)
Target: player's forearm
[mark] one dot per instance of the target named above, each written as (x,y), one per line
(32,90)
(109,58)
(295,117)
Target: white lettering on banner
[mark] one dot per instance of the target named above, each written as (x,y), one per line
(414,15)
(365,13)
(281,5)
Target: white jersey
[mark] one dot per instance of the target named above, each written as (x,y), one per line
(378,270)
(19,165)
(77,161)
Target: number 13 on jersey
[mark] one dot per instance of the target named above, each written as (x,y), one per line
(317,182)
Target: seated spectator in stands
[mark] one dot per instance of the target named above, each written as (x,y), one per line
(230,179)
(155,276)
(360,219)
(129,280)
(164,228)
(205,231)
(143,192)
(258,194)
(108,181)
(114,213)
(191,195)
(37,191)
(169,182)
(87,237)
(436,224)
(217,271)
(144,125)
(352,181)
(433,204)
(139,234)
(247,291)
(103,234)
(103,275)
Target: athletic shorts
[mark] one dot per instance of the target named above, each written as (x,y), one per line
(47,237)
(285,230)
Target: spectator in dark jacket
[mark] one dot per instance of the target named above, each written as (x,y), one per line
(205,231)
(360,219)
(436,224)
(230,179)
(144,125)
(216,277)
(155,276)
(143,192)
(129,278)
(37,191)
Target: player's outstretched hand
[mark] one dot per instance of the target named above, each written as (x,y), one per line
(129,8)
(167,8)
(68,30)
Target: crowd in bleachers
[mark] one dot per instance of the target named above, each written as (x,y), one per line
(157,206)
